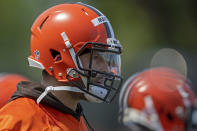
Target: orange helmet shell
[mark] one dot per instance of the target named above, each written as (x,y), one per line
(73,19)
(170,92)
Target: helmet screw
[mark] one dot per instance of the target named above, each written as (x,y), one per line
(51,68)
(64,50)
(72,73)
(60,74)
(75,74)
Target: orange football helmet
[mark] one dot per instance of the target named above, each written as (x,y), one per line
(158,99)
(61,34)
(8,83)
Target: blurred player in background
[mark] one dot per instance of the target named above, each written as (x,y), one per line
(158,99)
(8,83)
(75,46)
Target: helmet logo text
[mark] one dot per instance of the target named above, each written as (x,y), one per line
(99,20)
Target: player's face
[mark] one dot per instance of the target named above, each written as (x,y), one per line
(98,63)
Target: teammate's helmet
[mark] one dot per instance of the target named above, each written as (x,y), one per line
(8,83)
(158,99)
(61,34)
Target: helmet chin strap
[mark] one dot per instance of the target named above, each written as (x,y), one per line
(73,89)
(57,88)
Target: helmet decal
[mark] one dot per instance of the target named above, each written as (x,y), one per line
(37,54)
(99,20)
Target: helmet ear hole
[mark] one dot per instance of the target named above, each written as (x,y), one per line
(56,55)
(169,116)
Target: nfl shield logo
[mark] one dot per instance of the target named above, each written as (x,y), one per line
(37,54)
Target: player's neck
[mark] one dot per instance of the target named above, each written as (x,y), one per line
(69,99)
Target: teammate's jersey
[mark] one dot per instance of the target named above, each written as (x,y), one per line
(8,84)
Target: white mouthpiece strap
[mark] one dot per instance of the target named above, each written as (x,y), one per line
(58,88)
